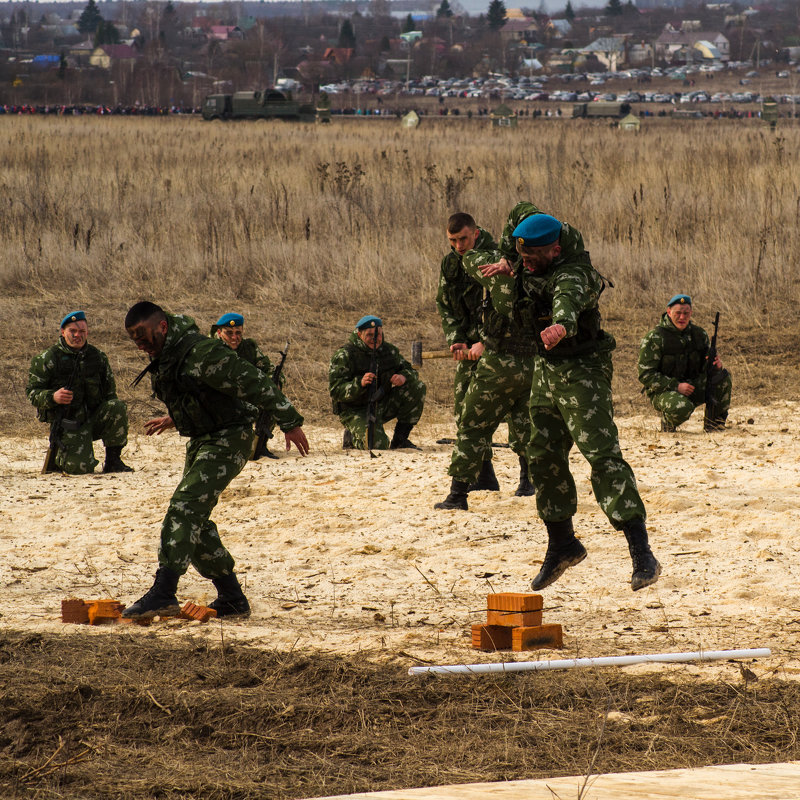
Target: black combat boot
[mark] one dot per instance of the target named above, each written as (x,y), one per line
(160,601)
(262,451)
(457,499)
(114,462)
(50,466)
(347,440)
(230,601)
(667,427)
(564,550)
(646,568)
(486,481)
(711,424)
(400,440)
(525,488)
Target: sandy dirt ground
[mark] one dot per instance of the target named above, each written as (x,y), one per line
(345,554)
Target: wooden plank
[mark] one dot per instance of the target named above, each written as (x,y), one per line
(729,781)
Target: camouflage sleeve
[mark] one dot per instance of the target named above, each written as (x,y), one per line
(404,367)
(38,390)
(574,290)
(343,384)
(220,368)
(650,353)
(454,324)
(501,287)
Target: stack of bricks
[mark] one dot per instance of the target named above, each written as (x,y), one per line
(514,622)
(109,612)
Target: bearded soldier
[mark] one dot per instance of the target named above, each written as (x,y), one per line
(553,291)
(229,329)
(672,369)
(210,394)
(464,306)
(365,360)
(72,387)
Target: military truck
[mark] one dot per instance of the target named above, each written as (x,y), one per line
(269,104)
(600,108)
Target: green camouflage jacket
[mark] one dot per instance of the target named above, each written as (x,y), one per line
(350,363)
(93,381)
(567,293)
(207,387)
(459,297)
(668,357)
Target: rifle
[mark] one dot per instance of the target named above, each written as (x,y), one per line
(710,415)
(375,394)
(264,421)
(60,424)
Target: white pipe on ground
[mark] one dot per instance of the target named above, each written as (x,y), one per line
(573,663)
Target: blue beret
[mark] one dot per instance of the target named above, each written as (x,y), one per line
(229,321)
(537,230)
(683,299)
(73,316)
(368,322)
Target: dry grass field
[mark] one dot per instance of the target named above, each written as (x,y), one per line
(304,229)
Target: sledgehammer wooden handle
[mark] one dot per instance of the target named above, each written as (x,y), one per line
(417,354)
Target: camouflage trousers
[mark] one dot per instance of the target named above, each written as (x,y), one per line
(500,389)
(403,403)
(676,408)
(109,422)
(571,404)
(188,536)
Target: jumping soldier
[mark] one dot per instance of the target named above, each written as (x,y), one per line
(210,394)
(673,369)
(553,291)
(72,387)
(401,392)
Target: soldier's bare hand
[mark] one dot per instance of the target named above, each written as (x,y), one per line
(502,267)
(553,335)
(298,438)
(397,380)
(368,378)
(718,362)
(475,352)
(158,425)
(458,351)
(62,396)
(686,389)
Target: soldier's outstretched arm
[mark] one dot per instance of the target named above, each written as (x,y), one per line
(297,437)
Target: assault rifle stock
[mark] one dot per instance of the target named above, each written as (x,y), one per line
(264,422)
(374,396)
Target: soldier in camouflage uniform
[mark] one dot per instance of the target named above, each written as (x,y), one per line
(350,378)
(554,292)
(72,387)
(672,369)
(462,305)
(229,329)
(210,394)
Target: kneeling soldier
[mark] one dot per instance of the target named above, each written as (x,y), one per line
(367,358)
(72,387)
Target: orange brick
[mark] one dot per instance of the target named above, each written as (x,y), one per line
(200,613)
(512,619)
(514,601)
(104,612)
(491,637)
(75,611)
(538,637)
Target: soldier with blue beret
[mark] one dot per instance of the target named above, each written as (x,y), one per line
(543,280)
(229,329)
(351,375)
(73,389)
(673,369)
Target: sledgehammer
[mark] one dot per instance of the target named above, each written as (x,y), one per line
(417,354)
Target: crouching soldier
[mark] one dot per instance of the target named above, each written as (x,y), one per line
(72,387)
(354,368)
(209,393)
